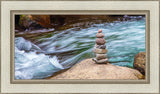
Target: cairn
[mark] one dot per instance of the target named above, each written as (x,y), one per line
(100,49)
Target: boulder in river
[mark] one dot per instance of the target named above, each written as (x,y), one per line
(139,62)
(87,69)
(43,20)
(26,22)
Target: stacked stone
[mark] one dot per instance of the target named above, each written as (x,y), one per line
(100,49)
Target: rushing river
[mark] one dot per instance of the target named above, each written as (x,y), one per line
(58,50)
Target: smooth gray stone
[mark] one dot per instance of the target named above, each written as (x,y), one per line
(101,46)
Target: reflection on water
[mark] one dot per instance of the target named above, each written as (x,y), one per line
(58,50)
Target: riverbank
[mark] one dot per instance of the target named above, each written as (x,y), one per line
(62,22)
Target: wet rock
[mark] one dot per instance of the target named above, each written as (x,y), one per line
(25,21)
(99,35)
(101,56)
(27,24)
(43,20)
(100,41)
(100,51)
(139,62)
(87,69)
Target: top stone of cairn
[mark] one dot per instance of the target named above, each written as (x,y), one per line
(100,31)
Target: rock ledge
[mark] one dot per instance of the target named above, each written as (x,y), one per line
(88,69)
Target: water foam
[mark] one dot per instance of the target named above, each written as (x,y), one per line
(29,65)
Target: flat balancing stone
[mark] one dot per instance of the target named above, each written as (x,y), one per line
(100,51)
(101,56)
(102,61)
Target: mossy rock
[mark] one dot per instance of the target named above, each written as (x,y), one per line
(139,62)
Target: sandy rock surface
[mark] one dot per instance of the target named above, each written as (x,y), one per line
(88,69)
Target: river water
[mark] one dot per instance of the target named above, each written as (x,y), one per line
(58,50)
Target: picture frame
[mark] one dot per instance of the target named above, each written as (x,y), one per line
(150,9)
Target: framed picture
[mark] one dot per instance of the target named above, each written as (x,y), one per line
(80,46)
